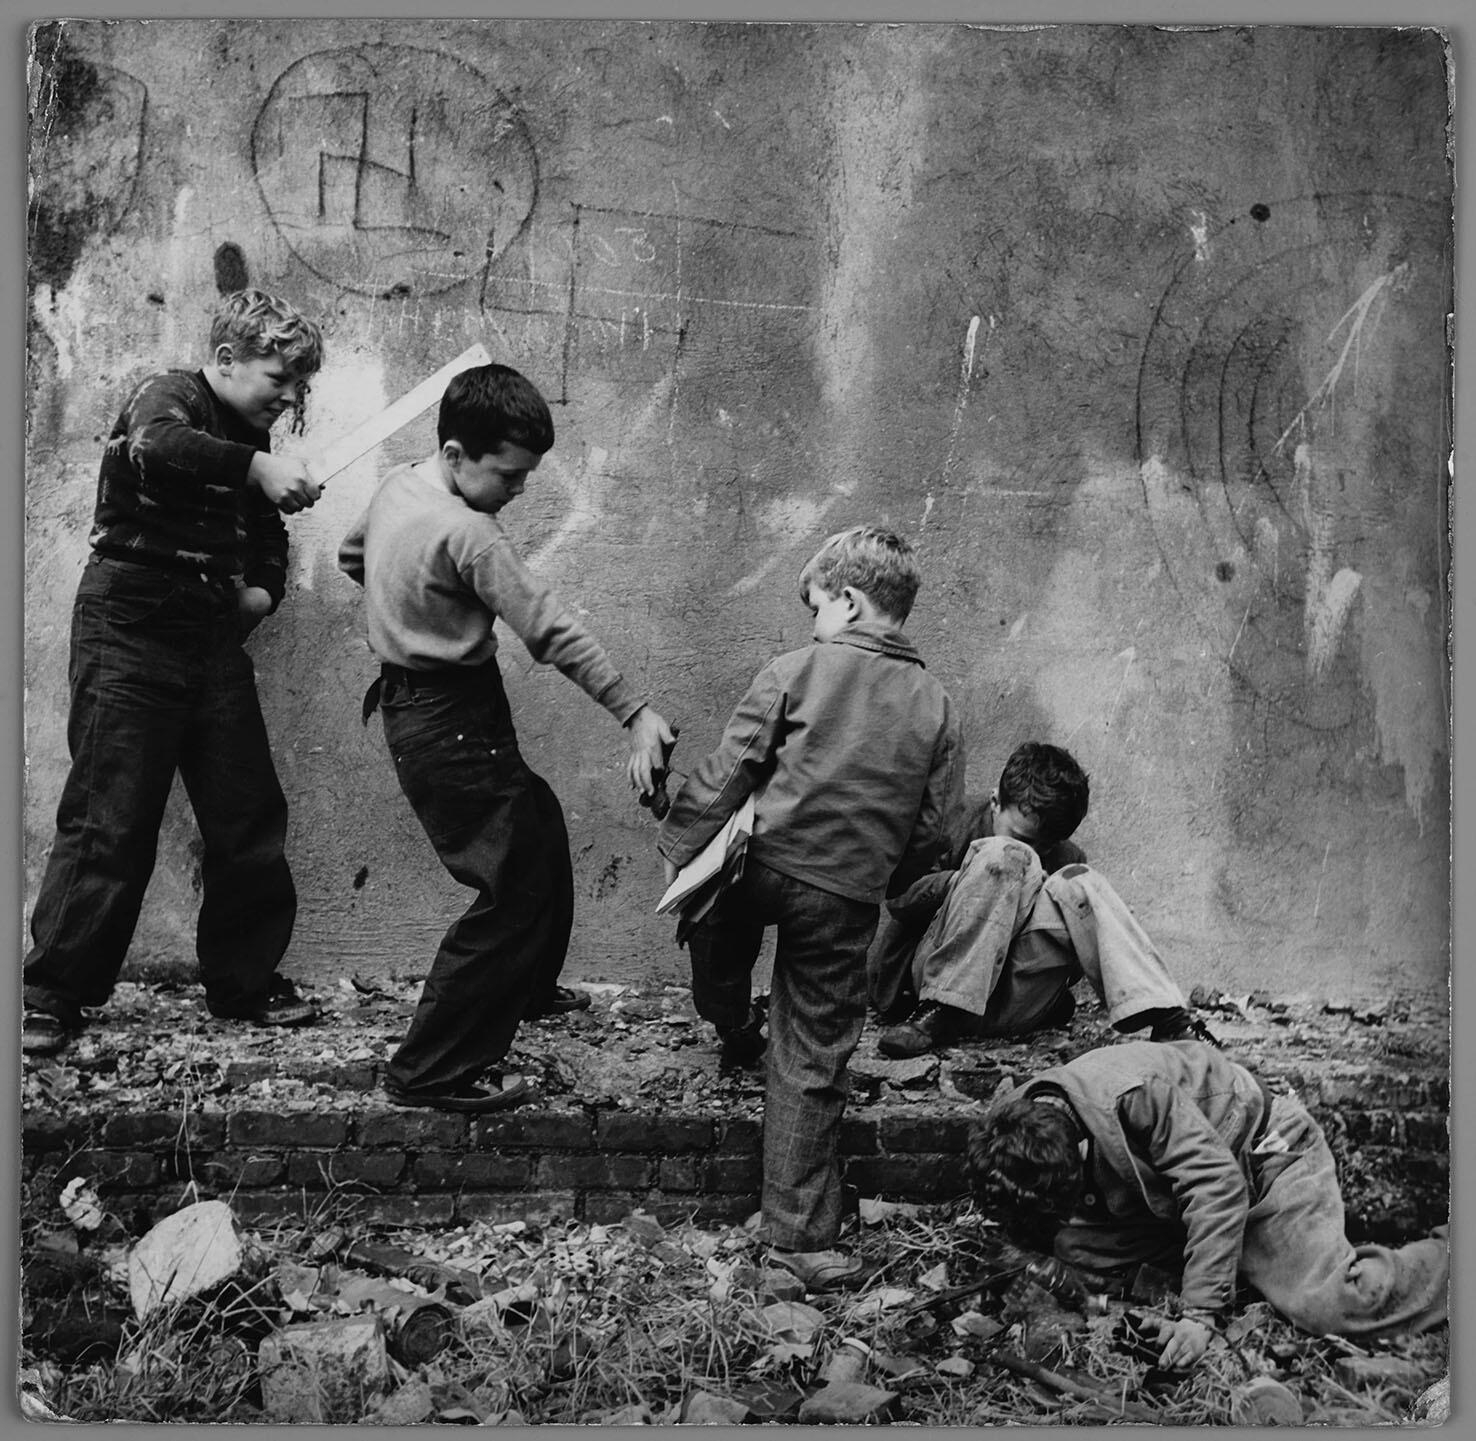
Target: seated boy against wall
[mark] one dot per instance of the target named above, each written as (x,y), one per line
(854,757)
(1003,938)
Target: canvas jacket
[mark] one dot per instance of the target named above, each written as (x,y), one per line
(1171,1125)
(854,756)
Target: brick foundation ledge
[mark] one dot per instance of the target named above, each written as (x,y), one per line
(286,1125)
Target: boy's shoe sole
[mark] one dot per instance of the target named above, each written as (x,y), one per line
(284,1013)
(472,1100)
(43,1034)
(559,1002)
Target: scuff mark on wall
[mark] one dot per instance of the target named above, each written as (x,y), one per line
(1409,715)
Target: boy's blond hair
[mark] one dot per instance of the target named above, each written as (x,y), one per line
(254,324)
(877,562)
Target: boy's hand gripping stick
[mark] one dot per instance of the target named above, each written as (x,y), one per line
(658,802)
(344,451)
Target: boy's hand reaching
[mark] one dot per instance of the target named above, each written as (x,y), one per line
(284,481)
(649,734)
(1184,1342)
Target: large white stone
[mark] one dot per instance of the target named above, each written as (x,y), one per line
(186,1253)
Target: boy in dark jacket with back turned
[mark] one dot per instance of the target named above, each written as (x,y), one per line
(854,757)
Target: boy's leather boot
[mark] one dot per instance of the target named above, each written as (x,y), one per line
(930,1025)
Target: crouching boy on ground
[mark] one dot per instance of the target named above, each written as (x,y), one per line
(1175,1157)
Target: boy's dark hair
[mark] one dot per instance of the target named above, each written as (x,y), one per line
(493,405)
(877,562)
(1046,782)
(1023,1163)
(255,324)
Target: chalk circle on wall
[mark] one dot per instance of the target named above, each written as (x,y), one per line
(392,170)
(1289,425)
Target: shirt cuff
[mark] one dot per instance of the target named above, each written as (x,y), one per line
(620,700)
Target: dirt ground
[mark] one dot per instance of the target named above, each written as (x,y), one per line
(647,1048)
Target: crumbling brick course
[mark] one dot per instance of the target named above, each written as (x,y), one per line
(322,1133)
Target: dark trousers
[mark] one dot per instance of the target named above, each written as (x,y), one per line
(817,1008)
(159,684)
(499,829)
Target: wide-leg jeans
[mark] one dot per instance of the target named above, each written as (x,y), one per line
(498,828)
(160,684)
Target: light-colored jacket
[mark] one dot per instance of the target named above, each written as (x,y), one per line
(1172,1125)
(854,756)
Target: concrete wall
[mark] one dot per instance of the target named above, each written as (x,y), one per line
(1138,334)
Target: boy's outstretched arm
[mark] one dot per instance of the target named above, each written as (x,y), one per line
(555,636)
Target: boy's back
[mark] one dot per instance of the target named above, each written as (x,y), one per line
(864,756)
(854,758)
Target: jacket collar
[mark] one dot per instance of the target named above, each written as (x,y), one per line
(874,636)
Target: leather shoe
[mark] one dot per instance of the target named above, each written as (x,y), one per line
(1176,1024)
(930,1025)
(498,1093)
(743,1045)
(558,1002)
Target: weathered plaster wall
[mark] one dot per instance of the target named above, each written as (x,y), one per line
(1138,334)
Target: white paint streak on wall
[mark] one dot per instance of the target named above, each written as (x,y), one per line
(60,316)
(1200,231)
(1328,597)
(787,518)
(1410,713)
(965,378)
(184,248)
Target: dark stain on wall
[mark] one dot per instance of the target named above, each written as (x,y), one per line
(87,125)
(231,273)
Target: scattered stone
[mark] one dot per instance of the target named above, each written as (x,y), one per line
(323,1371)
(706,1408)
(1432,1405)
(644,1227)
(635,1415)
(777,1284)
(1372,1371)
(915,1070)
(793,1320)
(976,1324)
(1265,1402)
(959,1366)
(409,1406)
(185,1254)
(773,1400)
(845,1403)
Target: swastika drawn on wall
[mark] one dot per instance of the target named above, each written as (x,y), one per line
(392,170)
(1278,417)
(631,292)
